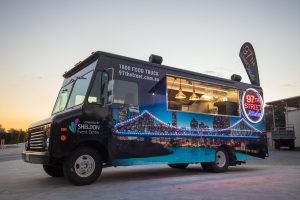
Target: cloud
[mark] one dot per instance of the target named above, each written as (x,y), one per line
(220,75)
(224,69)
(288,85)
(210,72)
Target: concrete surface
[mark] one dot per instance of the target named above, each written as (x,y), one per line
(277,177)
(11,152)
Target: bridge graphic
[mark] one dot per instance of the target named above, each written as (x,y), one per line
(147,125)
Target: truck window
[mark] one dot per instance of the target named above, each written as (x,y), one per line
(79,90)
(99,92)
(200,97)
(125,92)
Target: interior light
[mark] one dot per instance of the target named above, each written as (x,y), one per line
(180,94)
(224,99)
(194,96)
(206,97)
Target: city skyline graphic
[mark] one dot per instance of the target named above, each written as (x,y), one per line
(148,125)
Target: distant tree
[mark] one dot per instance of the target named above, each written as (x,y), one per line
(269,118)
(279,115)
(22,136)
(2,129)
(14,136)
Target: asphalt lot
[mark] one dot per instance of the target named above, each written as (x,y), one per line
(11,152)
(277,177)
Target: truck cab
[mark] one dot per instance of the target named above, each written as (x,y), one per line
(80,120)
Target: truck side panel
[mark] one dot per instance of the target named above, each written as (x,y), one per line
(145,131)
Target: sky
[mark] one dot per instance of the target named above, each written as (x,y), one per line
(40,40)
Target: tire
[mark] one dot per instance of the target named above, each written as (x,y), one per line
(83,166)
(179,165)
(292,145)
(54,171)
(277,145)
(206,166)
(220,165)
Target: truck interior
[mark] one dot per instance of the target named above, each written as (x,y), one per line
(200,97)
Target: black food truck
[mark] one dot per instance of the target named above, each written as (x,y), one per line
(117,111)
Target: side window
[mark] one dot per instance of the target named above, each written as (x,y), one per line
(200,97)
(125,92)
(98,92)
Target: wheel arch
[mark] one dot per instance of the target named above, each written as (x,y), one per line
(101,148)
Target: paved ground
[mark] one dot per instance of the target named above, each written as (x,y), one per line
(11,152)
(277,177)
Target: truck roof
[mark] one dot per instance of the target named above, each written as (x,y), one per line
(96,54)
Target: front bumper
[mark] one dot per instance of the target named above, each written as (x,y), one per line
(35,157)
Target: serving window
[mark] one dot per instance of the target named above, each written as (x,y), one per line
(199,97)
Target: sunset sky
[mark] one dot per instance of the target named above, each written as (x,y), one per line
(40,40)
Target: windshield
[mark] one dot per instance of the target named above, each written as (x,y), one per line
(73,94)
(62,98)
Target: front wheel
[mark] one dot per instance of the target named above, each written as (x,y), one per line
(54,171)
(221,162)
(277,145)
(83,166)
(179,165)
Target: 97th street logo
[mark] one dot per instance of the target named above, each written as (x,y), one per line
(87,127)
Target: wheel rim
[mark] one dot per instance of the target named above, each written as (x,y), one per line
(220,159)
(84,166)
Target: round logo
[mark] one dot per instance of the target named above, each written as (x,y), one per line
(253,105)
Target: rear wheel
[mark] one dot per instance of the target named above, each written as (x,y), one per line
(292,145)
(83,166)
(221,162)
(54,171)
(179,165)
(277,145)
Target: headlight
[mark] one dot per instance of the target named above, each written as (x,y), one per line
(47,143)
(26,145)
(47,134)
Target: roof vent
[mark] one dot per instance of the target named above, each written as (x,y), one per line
(236,77)
(155,59)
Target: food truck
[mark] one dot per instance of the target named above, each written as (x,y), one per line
(117,111)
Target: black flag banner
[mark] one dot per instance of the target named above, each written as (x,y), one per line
(248,58)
